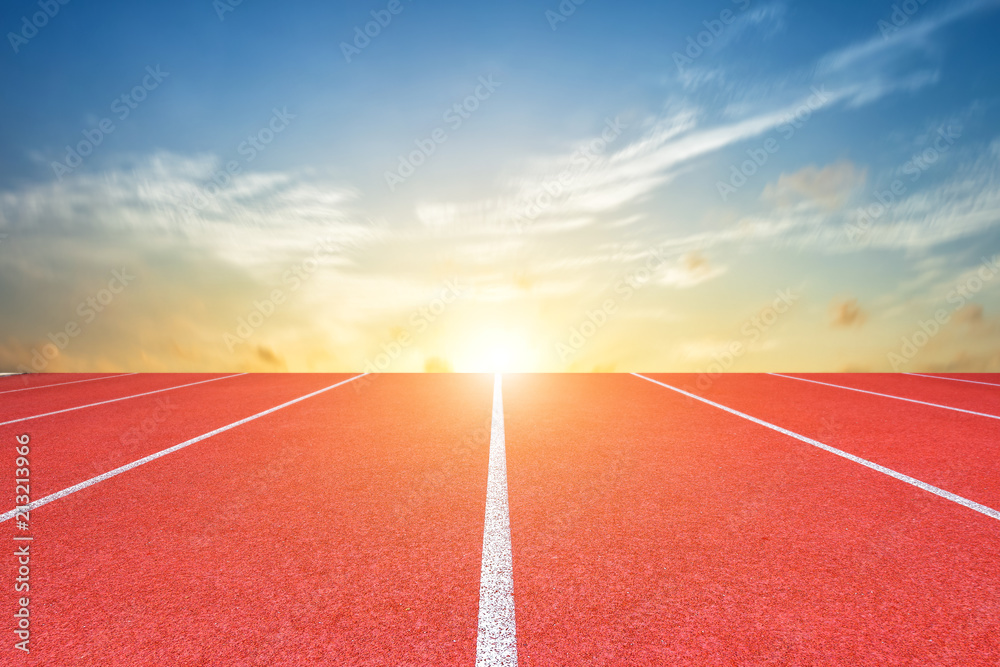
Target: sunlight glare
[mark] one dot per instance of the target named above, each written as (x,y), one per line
(495,352)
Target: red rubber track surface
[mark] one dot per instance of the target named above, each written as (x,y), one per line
(954,451)
(652,529)
(30,403)
(647,528)
(345,529)
(963,395)
(73,447)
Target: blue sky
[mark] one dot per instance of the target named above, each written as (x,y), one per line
(840,99)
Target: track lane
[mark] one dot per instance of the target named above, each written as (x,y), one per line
(947,495)
(75,446)
(951,450)
(980,377)
(22,380)
(649,528)
(30,403)
(949,394)
(956,379)
(32,383)
(346,529)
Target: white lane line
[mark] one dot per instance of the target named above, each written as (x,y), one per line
(59,384)
(114,400)
(497,642)
(152,457)
(898,398)
(939,377)
(982,509)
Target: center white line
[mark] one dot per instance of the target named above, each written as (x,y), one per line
(898,398)
(152,457)
(115,400)
(497,642)
(972,505)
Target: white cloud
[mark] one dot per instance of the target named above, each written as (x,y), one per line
(881,50)
(259,217)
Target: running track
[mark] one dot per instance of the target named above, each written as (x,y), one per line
(529,519)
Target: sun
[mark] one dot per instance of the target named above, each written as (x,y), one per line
(499,351)
(499,358)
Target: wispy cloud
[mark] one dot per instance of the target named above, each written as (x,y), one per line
(887,46)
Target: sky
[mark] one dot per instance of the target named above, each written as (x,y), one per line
(403,185)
